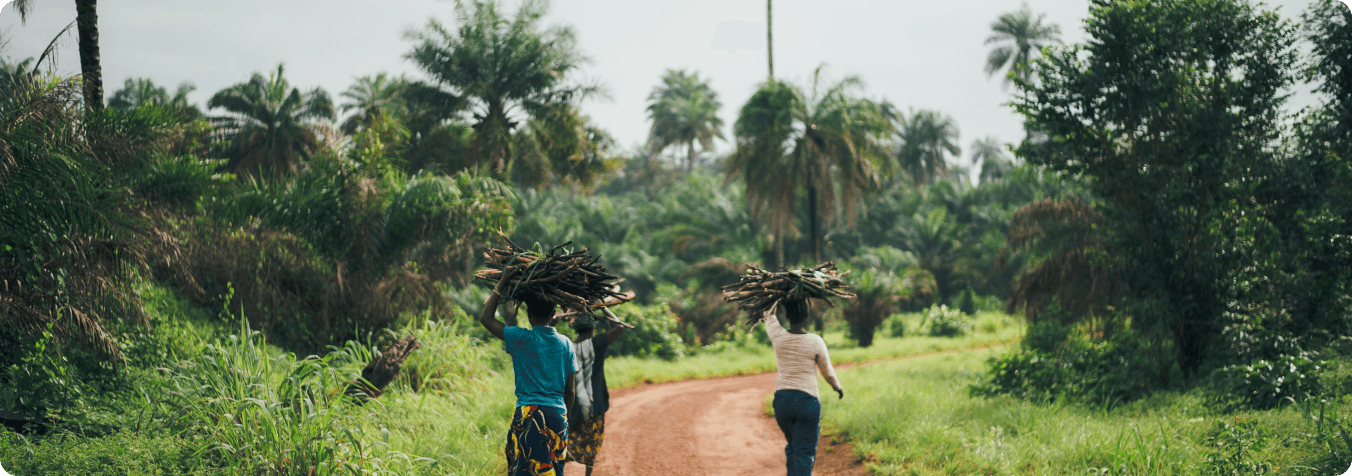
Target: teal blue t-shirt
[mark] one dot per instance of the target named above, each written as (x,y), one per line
(542,360)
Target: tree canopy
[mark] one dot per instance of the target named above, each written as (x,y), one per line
(684,110)
(825,141)
(1019,36)
(499,67)
(271,125)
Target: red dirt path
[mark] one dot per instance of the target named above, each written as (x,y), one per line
(712,427)
(709,427)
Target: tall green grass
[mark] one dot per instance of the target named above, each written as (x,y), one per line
(916,417)
(749,354)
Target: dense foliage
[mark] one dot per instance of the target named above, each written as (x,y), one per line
(1166,224)
(1217,233)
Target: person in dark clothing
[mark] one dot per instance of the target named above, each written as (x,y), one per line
(545,369)
(587,415)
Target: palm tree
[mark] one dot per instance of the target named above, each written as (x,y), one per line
(372,97)
(1019,35)
(136,92)
(684,110)
(927,138)
(990,152)
(272,128)
(497,65)
(826,142)
(936,242)
(87,23)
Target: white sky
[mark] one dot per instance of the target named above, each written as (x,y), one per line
(916,54)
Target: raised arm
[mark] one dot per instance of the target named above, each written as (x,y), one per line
(828,372)
(772,327)
(613,333)
(488,316)
(509,313)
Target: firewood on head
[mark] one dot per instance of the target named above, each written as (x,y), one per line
(573,280)
(759,290)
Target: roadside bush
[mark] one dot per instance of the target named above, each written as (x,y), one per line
(946,322)
(1108,373)
(654,333)
(1267,367)
(1266,384)
(896,326)
(1046,337)
(877,293)
(967,301)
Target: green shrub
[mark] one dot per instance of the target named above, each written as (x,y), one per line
(1046,336)
(990,304)
(1232,445)
(654,333)
(896,326)
(1265,384)
(180,181)
(1263,365)
(967,301)
(945,322)
(1122,369)
(877,295)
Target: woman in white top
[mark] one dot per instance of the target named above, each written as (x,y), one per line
(798,409)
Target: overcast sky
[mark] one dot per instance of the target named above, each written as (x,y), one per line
(915,54)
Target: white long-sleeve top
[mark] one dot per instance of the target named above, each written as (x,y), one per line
(799,357)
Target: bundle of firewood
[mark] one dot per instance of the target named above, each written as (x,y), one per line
(576,281)
(759,290)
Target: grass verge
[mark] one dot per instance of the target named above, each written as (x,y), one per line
(747,356)
(915,417)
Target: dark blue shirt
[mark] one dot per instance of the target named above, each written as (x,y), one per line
(542,360)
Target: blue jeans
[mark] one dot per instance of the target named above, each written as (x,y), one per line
(800,417)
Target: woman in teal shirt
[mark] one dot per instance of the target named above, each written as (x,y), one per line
(545,368)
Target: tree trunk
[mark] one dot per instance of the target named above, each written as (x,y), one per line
(87,22)
(779,249)
(382,370)
(690,158)
(812,222)
(769,39)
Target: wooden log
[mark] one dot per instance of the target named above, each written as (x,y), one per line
(382,370)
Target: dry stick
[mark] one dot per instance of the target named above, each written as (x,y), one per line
(572,280)
(759,290)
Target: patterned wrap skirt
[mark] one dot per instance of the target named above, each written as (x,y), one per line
(585,440)
(537,442)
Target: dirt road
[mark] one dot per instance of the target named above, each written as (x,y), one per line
(710,427)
